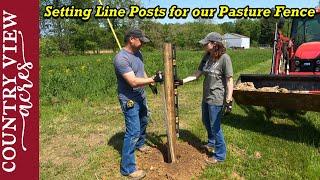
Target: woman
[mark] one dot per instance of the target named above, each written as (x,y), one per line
(216,66)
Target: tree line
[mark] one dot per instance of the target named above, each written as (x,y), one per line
(74,36)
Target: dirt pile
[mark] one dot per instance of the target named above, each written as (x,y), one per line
(273,89)
(246,86)
(249,86)
(190,163)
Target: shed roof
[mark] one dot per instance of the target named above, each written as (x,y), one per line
(236,35)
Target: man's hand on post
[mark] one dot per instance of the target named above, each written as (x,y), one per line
(159,77)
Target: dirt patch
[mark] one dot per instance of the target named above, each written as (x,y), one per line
(236,176)
(257,154)
(237,150)
(68,149)
(190,162)
(58,151)
(107,110)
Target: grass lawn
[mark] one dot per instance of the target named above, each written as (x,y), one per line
(82,125)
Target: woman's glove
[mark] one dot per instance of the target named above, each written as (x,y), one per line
(178,82)
(227,108)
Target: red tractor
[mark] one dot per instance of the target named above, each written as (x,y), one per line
(300,54)
(295,68)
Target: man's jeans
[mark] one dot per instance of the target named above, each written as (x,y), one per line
(136,121)
(211,117)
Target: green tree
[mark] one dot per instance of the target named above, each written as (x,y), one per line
(48,47)
(267,29)
(75,35)
(228,27)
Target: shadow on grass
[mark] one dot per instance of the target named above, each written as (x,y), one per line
(159,142)
(185,135)
(257,120)
(193,140)
(116,141)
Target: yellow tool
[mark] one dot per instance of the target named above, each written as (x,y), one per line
(111,27)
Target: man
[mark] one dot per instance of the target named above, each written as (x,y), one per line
(131,79)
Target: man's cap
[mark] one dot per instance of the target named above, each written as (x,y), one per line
(137,33)
(213,36)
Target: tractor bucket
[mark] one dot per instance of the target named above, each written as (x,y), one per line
(288,92)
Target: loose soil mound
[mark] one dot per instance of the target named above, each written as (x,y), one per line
(249,86)
(190,162)
(246,86)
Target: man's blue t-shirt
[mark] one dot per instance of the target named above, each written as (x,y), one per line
(125,62)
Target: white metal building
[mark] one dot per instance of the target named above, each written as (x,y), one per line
(233,40)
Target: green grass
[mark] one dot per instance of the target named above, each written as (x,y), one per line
(81,132)
(65,79)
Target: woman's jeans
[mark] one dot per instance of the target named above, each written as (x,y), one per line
(136,121)
(211,117)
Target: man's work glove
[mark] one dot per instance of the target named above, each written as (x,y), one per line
(153,88)
(227,108)
(178,82)
(159,77)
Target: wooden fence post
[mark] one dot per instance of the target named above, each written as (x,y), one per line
(170,102)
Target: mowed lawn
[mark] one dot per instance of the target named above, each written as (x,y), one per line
(82,126)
